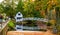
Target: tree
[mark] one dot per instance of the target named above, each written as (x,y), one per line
(1,8)
(9,8)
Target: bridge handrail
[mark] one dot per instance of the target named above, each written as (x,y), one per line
(40,19)
(4,25)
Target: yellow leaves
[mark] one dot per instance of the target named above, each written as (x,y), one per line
(32,0)
(53,21)
(54,12)
(25,6)
(37,7)
(52,2)
(43,13)
(55,1)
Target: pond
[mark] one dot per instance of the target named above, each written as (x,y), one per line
(29,26)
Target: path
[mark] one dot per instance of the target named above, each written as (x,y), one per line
(29,33)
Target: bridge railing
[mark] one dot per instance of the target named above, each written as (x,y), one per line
(40,19)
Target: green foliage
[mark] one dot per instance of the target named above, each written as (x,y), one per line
(1,8)
(27,8)
(9,11)
(11,24)
(20,6)
(58,28)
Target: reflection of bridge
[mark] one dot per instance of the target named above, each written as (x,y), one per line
(28,28)
(18,27)
(40,19)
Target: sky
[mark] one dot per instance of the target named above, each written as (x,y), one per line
(1,1)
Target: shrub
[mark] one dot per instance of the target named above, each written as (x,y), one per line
(11,25)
